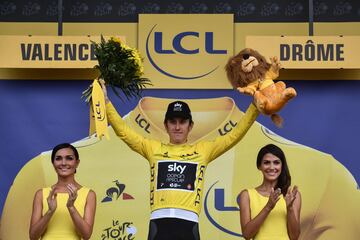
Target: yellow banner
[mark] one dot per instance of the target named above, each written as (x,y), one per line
(98,106)
(92,128)
(121,178)
(186,50)
(310,52)
(48,51)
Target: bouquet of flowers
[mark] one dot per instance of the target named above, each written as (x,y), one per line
(121,68)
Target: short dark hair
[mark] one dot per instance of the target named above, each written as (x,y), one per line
(284,180)
(61,146)
(178,109)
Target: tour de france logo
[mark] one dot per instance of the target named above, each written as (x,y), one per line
(119,231)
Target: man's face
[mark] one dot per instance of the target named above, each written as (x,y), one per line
(178,130)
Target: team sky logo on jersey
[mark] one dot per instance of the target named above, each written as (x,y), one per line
(176,175)
(113,193)
(182,49)
(216,206)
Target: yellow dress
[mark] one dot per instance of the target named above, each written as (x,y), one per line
(274,226)
(61,225)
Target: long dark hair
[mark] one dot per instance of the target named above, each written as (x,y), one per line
(61,146)
(284,180)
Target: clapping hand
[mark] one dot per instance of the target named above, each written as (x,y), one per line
(273,198)
(51,200)
(291,196)
(72,190)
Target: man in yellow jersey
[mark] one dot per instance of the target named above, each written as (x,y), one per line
(177,168)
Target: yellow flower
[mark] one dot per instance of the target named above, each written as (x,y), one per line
(115,39)
(138,61)
(125,59)
(135,56)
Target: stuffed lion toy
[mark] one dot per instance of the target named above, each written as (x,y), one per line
(251,74)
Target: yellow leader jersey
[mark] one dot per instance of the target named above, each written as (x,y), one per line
(177,171)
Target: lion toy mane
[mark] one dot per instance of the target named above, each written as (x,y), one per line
(251,74)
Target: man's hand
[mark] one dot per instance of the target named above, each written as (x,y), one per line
(103,87)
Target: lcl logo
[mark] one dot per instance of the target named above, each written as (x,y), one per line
(178,47)
(98,113)
(205,39)
(219,205)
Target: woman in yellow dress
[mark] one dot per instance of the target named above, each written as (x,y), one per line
(271,211)
(65,210)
